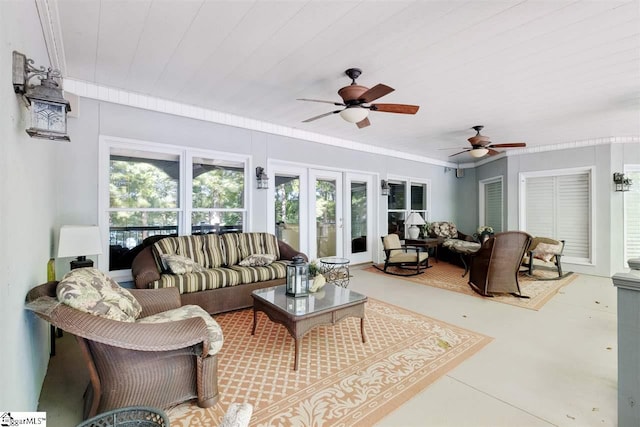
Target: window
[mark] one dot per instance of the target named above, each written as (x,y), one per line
(558,205)
(217,195)
(405,196)
(491,203)
(632,215)
(150,193)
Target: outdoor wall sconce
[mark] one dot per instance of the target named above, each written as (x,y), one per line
(48,107)
(622,183)
(261,178)
(384,188)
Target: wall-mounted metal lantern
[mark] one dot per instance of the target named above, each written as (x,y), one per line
(262,179)
(622,183)
(48,107)
(384,187)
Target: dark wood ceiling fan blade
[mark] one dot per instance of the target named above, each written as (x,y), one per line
(492,152)
(320,100)
(378,91)
(363,123)
(467,150)
(508,145)
(321,116)
(395,108)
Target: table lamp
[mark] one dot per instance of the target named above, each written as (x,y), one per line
(79,241)
(413,220)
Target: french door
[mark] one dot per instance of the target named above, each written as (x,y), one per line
(323,212)
(359,217)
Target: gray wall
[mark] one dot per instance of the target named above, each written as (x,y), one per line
(78,195)
(28,169)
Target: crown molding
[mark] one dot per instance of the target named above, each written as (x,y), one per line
(50,23)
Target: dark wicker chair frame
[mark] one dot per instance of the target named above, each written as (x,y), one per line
(137,364)
(494,268)
(414,267)
(556,259)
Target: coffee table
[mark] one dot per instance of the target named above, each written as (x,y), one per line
(301,314)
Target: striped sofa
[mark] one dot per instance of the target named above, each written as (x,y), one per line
(215,281)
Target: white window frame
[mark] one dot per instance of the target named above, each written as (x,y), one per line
(482,202)
(627,169)
(409,181)
(185,154)
(522,223)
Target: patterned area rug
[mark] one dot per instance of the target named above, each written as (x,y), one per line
(540,288)
(341,381)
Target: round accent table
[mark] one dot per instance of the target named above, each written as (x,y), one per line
(335,270)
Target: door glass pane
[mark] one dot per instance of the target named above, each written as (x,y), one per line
(358,217)
(326,217)
(287,209)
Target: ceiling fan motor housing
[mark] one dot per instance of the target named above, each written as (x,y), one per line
(350,94)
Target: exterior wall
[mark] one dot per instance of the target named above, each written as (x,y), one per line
(608,238)
(78,194)
(28,170)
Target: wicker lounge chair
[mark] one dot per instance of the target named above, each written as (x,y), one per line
(494,268)
(132,363)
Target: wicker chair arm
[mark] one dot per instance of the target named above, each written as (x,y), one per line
(156,300)
(133,336)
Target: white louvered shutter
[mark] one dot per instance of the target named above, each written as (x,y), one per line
(493,205)
(540,206)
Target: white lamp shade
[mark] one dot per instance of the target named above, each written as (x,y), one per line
(354,114)
(415,218)
(79,240)
(478,152)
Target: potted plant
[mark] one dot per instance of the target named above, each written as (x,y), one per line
(484,232)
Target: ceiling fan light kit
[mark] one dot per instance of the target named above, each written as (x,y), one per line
(354,114)
(479,152)
(481,145)
(354,97)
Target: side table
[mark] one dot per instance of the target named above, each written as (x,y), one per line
(427,243)
(335,270)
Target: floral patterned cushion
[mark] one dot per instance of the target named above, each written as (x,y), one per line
(178,264)
(91,291)
(444,229)
(188,312)
(258,260)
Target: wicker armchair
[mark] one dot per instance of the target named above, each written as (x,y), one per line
(494,268)
(136,364)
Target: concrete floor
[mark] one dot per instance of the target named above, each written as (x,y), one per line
(553,367)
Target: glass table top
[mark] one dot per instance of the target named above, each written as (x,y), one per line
(334,260)
(330,296)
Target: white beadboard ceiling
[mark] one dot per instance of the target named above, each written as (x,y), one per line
(540,72)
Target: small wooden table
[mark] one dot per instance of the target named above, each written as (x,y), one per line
(300,315)
(429,242)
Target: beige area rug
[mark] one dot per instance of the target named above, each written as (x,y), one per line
(540,288)
(341,381)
